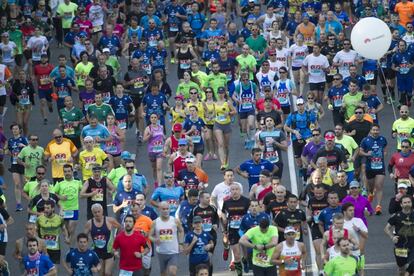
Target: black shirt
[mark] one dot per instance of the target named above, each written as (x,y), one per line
(235,210)
(288,218)
(334,157)
(341,191)
(316,206)
(273,113)
(404,228)
(209,216)
(362,129)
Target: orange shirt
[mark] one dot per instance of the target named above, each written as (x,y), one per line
(367,117)
(308,31)
(143,225)
(405,11)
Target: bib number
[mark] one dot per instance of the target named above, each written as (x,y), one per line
(401,252)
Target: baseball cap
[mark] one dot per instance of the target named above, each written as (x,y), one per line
(181,97)
(88,138)
(125,155)
(354,184)
(267,87)
(329,136)
(402,186)
(97,168)
(197,219)
(182,142)
(271,52)
(177,127)
(5,34)
(289,229)
(251,1)
(300,101)
(106,50)
(190,160)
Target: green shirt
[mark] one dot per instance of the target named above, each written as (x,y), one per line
(184,89)
(258,45)
(351,102)
(256,236)
(216,81)
(82,72)
(50,229)
(340,266)
(201,76)
(32,157)
(68,118)
(17,37)
(70,189)
(247,63)
(404,129)
(114,63)
(116,174)
(350,145)
(100,111)
(67,12)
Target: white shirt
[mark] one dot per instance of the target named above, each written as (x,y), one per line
(298,54)
(346,59)
(222,192)
(8,51)
(282,57)
(316,66)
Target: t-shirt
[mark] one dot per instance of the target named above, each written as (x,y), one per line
(254,169)
(340,266)
(33,157)
(198,254)
(127,246)
(405,12)
(49,230)
(68,117)
(316,66)
(82,262)
(256,236)
(351,102)
(246,63)
(61,154)
(71,189)
(83,71)
(67,12)
(350,145)
(404,128)
(88,159)
(39,266)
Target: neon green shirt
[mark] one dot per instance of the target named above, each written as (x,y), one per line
(184,89)
(351,102)
(216,81)
(70,189)
(247,63)
(201,76)
(404,128)
(33,157)
(82,72)
(350,145)
(67,12)
(340,266)
(256,236)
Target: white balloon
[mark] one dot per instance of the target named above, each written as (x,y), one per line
(371,38)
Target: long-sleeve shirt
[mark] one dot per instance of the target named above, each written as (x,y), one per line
(360,204)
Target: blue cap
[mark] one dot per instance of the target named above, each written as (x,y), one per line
(182,142)
(125,155)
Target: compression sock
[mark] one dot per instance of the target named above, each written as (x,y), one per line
(239,268)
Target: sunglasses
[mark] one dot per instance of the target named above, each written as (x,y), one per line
(358,112)
(168,177)
(353,188)
(310,98)
(58,137)
(41,173)
(34,139)
(405,147)
(193,93)
(316,134)
(129,168)
(282,72)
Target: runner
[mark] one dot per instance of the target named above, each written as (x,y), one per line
(82,259)
(36,261)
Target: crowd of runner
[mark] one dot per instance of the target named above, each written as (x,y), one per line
(268,70)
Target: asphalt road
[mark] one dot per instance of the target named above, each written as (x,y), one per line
(379,257)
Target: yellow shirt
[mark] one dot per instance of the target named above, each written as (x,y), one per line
(88,159)
(200,108)
(327,179)
(222,111)
(60,154)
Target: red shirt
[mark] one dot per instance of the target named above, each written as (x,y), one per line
(260,104)
(127,246)
(42,75)
(402,165)
(85,26)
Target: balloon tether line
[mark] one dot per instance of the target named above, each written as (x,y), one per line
(388,92)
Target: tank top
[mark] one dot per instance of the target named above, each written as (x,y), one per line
(179,163)
(101,236)
(156,142)
(166,232)
(307,32)
(98,198)
(327,179)
(333,253)
(174,143)
(283,91)
(113,147)
(209,113)
(184,59)
(200,108)
(176,116)
(330,236)
(92,56)
(221,113)
(290,253)
(247,97)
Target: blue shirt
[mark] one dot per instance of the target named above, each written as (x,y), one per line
(98,131)
(402,60)
(139,183)
(171,195)
(62,87)
(158,58)
(82,262)
(69,72)
(376,145)
(197,22)
(174,23)
(212,34)
(120,106)
(153,104)
(336,94)
(198,254)
(359,79)
(149,212)
(113,43)
(196,136)
(14,147)
(249,221)
(302,123)
(124,195)
(38,267)
(145,19)
(327,214)
(152,36)
(184,213)
(254,169)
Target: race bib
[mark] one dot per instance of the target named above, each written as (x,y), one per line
(196,139)
(99,196)
(106,96)
(294,265)
(221,118)
(173,27)
(401,252)
(376,163)
(235,222)
(122,124)
(99,241)
(51,241)
(271,156)
(68,129)
(337,101)
(33,218)
(44,81)
(261,259)
(68,214)
(125,273)
(166,235)
(96,29)
(369,75)
(247,104)
(404,69)
(207,225)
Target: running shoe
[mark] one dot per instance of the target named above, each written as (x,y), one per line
(232,267)
(44,121)
(378,210)
(172,61)
(370,197)
(207,157)
(50,109)
(215,157)
(19,207)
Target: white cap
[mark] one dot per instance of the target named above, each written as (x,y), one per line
(106,50)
